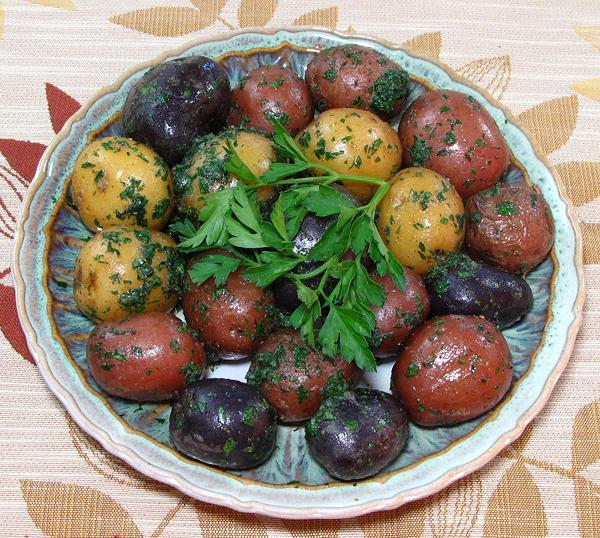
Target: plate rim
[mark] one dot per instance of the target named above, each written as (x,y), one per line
(201,492)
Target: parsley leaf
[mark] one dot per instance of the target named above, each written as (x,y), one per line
(215,265)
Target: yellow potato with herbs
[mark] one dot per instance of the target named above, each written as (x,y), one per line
(355,142)
(420,217)
(117,180)
(203,168)
(127,269)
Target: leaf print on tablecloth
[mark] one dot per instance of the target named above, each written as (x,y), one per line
(551,123)
(218,522)
(61,510)
(590,88)
(61,106)
(60,4)
(587,502)
(509,514)
(492,74)
(323,528)
(581,181)
(326,17)
(9,321)
(408,521)
(585,448)
(590,235)
(256,12)
(590,34)
(429,44)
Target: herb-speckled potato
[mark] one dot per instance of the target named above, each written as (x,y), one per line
(176,101)
(123,270)
(203,169)
(510,226)
(420,217)
(355,142)
(453,368)
(358,77)
(132,359)
(120,181)
(270,92)
(451,133)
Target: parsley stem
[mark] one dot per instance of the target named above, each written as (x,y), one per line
(316,272)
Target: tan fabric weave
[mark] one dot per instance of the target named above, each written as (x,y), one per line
(541,58)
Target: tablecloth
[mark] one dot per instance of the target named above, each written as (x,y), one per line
(540,58)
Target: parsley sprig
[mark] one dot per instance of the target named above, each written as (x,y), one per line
(339,321)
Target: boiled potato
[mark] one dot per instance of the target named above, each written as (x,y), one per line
(421,216)
(123,270)
(120,181)
(355,142)
(203,169)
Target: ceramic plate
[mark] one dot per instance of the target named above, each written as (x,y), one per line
(290,484)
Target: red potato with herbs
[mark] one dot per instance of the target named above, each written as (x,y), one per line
(145,357)
(232,319)
(402,311)
(271,92)
(450,132)
(510,226)
(293,377)
(453,368)
(357,77)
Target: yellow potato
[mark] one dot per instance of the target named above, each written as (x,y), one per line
(203,171)
(356,142)
(122,270)
(421,216)
(120,181)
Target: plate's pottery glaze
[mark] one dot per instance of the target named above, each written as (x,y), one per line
(290,484)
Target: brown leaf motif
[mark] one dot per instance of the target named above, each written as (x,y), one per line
(217,522)
(256,12)
(581,180)
(590,34)
(587,501)
(590,88)
(326,17)
(590,235)
(492,74)
(323,528)
(429,44)
(408,521)
(506,514)
(551,123)
(60,510)
(586,436)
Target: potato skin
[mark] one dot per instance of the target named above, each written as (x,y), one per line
(117,180)
(175,102)
(223,422)
(359,77)
(271,91)
(402,311)
(451,133)
(453,368)
(420,217)
(354,142)
(292,376)
(144,357)
(203,170)
(232,320)
(124,270)
(510,226)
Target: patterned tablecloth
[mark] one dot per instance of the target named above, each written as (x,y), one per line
(541,58)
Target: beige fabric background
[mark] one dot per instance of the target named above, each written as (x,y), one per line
(541,58)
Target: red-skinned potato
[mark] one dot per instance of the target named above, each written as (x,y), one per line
(402,311)
(450,132)
(144,357)
(270,92)
(292,376)
(232,319)
(453,368)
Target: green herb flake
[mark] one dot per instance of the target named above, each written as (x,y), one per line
(412,370)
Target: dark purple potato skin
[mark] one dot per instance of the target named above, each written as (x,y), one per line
(175,102)
(211,422)
(368,430)
(471,288)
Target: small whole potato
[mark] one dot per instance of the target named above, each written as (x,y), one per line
(124,270)
(451,133)
(357,77)
(401,312)
(144,357)
(292,376)
(270,92)
(117,180)
(203,169)
(232,319)
(354,142)
(453,368)
(510,226)
(420,217)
